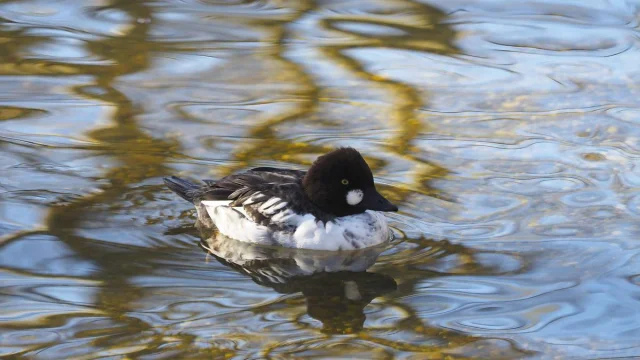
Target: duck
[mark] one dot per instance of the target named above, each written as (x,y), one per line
(334,205)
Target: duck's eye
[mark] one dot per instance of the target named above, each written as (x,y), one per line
(345,182)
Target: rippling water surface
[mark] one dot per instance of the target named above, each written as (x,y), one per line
(506,131)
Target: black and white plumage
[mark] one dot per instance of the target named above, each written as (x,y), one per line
(333,206)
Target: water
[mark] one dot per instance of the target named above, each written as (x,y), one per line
(506,131)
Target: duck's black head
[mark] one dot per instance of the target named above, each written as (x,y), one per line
(341,183)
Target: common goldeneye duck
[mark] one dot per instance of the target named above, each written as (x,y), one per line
(332,206)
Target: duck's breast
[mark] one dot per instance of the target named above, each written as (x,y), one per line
(345,233)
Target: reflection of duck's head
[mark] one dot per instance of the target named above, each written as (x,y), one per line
(335,284)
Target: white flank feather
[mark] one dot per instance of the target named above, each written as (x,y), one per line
(344,233)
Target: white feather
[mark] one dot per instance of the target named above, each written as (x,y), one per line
(286,216)
(277,207)
(252,199)
(211,204)
(268,203)
(344,233)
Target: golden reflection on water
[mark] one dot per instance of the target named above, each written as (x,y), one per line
(506,133)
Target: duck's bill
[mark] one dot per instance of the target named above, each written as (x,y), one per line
(372,200)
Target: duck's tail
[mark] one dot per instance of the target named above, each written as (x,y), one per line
(185,189)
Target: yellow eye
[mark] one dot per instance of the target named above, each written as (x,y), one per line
(345,182)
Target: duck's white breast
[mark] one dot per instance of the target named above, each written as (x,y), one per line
(345,233)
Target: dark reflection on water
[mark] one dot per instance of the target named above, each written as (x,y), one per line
(335,285)
(506,131)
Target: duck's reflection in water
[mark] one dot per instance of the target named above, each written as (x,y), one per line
(336,285)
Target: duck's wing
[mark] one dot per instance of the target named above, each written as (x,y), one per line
(269,196)
(297,174)
(260,183)
(259,177)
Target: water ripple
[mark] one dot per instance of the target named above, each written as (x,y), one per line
(505,133)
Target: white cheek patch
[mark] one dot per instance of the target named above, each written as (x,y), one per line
(354,197)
